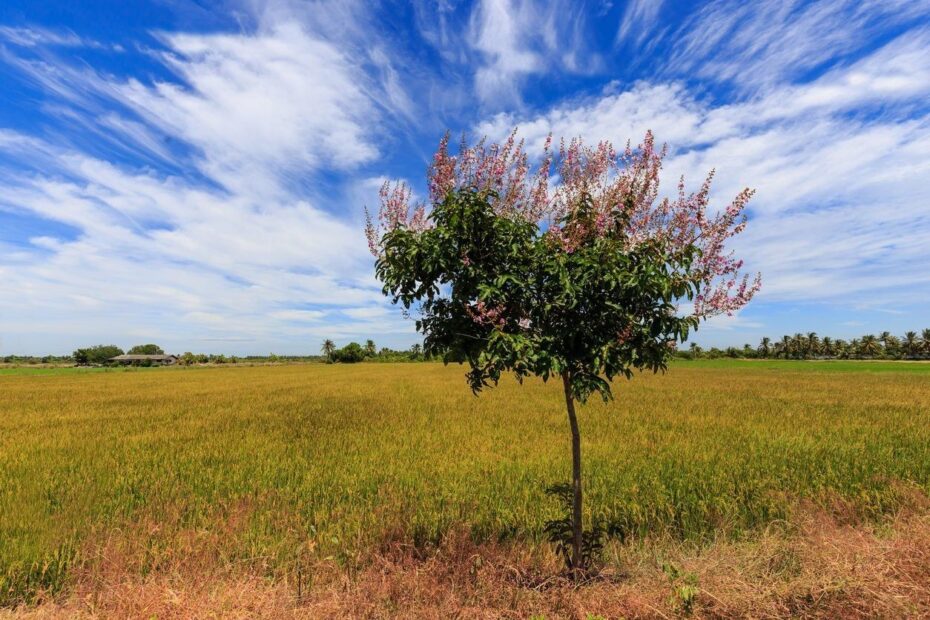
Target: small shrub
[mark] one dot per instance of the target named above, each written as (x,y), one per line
(560,532)
(684,586)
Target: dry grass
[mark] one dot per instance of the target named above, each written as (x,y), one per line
(816,568)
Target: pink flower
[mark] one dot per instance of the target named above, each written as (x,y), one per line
(486,315)
(622,192)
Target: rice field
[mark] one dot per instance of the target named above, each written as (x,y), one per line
(279,466)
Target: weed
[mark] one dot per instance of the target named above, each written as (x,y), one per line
(559,532)
(684,587)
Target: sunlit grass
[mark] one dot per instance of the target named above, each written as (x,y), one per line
(329,460)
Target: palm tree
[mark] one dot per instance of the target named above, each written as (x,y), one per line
(855,347)
(911,344)
(695,350)
(370,350)
(827,346)
(890,343)
(798,345)
(870,346)
(786,346)
(328,349)
(813,344)
(925,342)
(842,348)
(765,347)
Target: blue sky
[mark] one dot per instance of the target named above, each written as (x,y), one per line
(195,173)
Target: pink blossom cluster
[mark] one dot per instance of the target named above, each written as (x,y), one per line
(501,169)
(625,334)
(620,192)
(486,314)
(395,212)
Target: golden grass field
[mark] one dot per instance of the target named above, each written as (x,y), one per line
(389,489)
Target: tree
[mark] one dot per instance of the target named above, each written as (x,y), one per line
(416,350)
(349,354)
(911,344)
(579,282)
(785,346)
(890,344)
(370,350)
(100,354)
(869,346)
(925,342)
(328,349)
(696,350)
(765,347)
(813,344)
(146,349)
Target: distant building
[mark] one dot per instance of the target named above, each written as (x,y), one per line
(159,360)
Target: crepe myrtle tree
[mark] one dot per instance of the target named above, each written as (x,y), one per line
(581,276)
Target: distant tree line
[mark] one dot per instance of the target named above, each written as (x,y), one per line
(910,346)
(354,352)
(192,359)
(19,360)
(102,354)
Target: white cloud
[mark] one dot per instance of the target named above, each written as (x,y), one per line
(276,102)
(756,44)
(518,38)
(310,316)
(639,18)
(843,208)
(36,37)
(235,245)
(500,32)
(619,116)
(152,250)
(372,312)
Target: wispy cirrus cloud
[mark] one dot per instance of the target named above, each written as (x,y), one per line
(639,19)
(280,102)
(176,262)
(842,210)
(757,44)
(40,37)
(519,38)
(234,245)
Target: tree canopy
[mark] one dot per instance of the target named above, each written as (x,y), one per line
(99,354)
(583,279)
(146,349)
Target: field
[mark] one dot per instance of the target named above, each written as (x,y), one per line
(300,480)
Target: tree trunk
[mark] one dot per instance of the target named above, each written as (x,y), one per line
(577,559)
